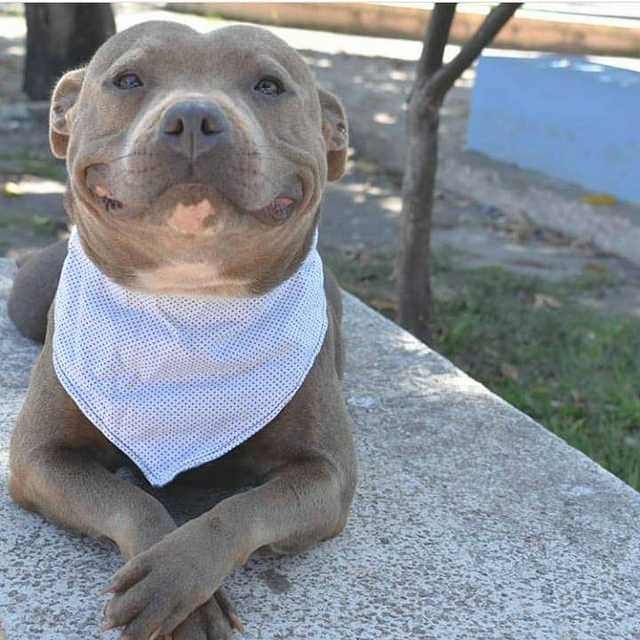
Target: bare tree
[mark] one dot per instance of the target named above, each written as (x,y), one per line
(433,81)
(61,36)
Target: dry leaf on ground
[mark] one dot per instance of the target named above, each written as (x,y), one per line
(542,300)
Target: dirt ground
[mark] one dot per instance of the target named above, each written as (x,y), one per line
(361,213)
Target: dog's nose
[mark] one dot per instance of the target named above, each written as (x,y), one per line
(193,127)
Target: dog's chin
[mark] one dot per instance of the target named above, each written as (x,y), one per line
(190,209)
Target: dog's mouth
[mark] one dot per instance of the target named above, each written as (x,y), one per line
(194,207)
(278,210)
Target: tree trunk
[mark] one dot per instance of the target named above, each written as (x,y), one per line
(433,81)
(61,37)
(418,183)
(414,308)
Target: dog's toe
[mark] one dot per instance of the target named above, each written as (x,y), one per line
(214,620)
(191,629)
(220,617)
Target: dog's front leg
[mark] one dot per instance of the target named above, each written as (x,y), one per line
(71,488)
(299,506)
(54,472)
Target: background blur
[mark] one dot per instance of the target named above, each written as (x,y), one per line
(536,228)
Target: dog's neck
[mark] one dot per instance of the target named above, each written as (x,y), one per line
(198,275)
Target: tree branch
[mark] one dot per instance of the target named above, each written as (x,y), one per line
(445,77)
(435,39)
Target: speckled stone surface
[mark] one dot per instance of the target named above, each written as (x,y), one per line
(470,521)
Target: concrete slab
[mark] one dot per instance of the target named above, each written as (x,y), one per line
(471,521)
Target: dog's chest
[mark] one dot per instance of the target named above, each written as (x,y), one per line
(177,382)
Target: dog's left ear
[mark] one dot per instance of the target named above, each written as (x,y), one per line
(335,133)
(64,98)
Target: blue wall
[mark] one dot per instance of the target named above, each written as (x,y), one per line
(565,117)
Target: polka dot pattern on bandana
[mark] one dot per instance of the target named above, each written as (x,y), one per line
(174,381)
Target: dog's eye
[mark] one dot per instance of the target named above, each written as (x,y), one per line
(269,87)
(127,81)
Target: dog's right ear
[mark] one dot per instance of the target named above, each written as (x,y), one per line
(335,133)
(64,98)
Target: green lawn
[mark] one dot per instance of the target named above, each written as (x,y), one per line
(40,164)
(575,370)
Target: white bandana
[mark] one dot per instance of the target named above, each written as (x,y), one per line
(174,381)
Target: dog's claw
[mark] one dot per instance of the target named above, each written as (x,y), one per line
(236,623)
(229,611)
(107,625)
(126,577)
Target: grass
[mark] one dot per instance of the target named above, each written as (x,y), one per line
(38,224)
(23,162)
(573,369)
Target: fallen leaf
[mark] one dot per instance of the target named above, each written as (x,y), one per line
(541,301)
(596,267)
(578,398)
(509,371)
(382,305)
(599,199)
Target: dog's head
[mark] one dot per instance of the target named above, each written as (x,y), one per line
(196,162)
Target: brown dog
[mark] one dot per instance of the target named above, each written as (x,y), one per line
(196,167)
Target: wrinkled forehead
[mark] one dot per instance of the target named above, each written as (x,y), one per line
(175,48)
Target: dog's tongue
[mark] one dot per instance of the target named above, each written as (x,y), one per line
(191,218)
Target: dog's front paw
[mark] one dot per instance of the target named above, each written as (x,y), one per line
(157,590)
(214,620)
